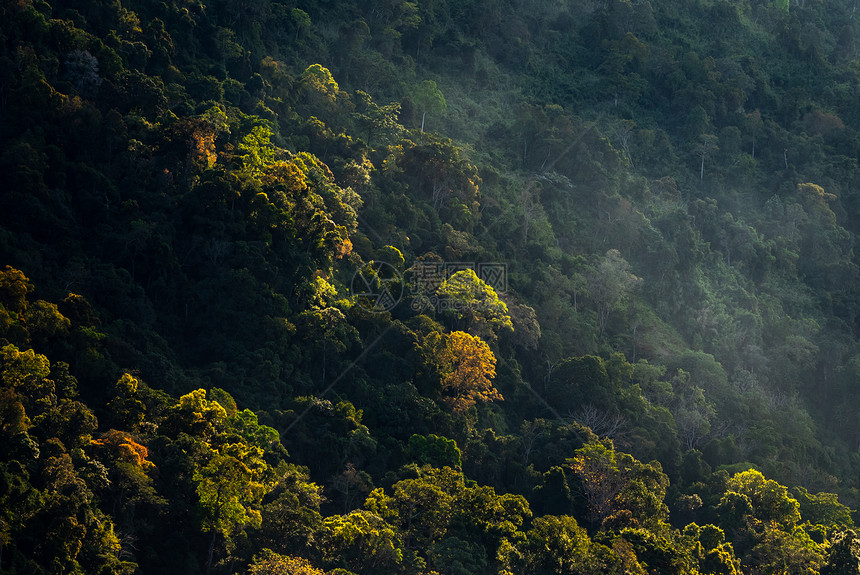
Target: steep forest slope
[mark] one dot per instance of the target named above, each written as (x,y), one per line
(434,287)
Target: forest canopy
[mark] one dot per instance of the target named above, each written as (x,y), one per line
(429,288)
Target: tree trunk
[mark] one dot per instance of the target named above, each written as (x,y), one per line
(325,346)
(211,552)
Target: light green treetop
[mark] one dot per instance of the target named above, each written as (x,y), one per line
(471,300)
(428,97)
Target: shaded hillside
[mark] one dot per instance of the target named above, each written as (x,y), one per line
(429,287)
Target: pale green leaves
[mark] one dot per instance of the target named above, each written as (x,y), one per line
(428,97)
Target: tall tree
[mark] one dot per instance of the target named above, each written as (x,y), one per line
(230,487)
(706,146)
(428,97)
(610,284)
(466,367)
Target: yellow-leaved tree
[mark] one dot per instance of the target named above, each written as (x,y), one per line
(467,366)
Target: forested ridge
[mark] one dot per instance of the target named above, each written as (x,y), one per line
(434,287)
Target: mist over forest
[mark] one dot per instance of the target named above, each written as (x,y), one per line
(431,287)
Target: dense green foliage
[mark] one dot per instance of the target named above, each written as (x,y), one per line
(435,287)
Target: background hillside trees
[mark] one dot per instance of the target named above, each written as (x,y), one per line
(666,194)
